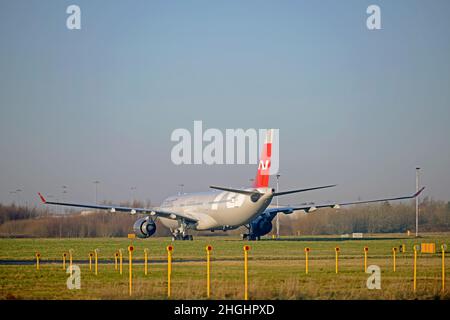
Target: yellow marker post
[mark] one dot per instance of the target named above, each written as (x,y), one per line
(169,268)
(64,261)
(337,258)
(96,261)
(116,257)
(366,251)
(90,260)
(306,259)
(145,261)
(416,248)
(70,260)
(394,253)
(208,274)
(130,267)
(443,248)
(38,257)
(120,261)
(246,249)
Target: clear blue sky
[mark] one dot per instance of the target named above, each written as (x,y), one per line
(354,107)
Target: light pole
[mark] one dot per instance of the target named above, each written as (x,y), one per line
(278,216)
(417,202)
(18,196)
(13,193)
(133,194)
(181,188)
(49,209)
(64,191)
(96,182)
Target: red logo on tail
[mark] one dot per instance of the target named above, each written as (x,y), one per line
(262,176)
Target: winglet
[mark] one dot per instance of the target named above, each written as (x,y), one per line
(42,198)
(418,192)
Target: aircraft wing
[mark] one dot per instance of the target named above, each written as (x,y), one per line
(156,212)
(312,207)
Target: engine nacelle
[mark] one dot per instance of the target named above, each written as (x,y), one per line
(144,228)
(261,226)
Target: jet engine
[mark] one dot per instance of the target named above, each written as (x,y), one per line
(260,226)
(144,228)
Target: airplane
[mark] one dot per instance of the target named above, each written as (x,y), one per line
(222,208)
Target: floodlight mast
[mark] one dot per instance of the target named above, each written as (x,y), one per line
(417,201)
(278,216)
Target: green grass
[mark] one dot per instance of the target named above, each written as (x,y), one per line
(276,269)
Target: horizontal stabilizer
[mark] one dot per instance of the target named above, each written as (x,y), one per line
(246,192)
(301,190)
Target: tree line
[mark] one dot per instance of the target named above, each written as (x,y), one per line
(25,222)
(434,216)
(18,221)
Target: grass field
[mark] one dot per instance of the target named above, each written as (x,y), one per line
(276,269)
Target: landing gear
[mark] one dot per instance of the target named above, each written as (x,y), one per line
(180,233)
(181,237)
(250,237)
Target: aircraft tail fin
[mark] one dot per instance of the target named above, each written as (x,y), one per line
(262,176)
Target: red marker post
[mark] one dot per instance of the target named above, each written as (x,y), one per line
(96,261)
(246,249)
(64,261)
(38,257)
(306,259)
(130,268)
(90,260)
(169,268)
(337,250)
(394,254)
(366,251)
(145,261)
(70,259)
(116,258)
(208,273)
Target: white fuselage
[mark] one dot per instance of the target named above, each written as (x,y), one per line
(216,210)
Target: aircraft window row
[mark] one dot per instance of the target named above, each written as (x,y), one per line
(170,204)
(191,204)
(199,203)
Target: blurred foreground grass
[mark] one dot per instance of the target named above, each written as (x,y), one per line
(276,269)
